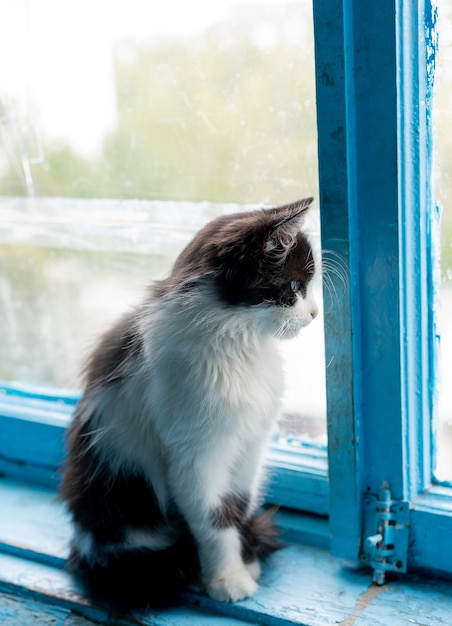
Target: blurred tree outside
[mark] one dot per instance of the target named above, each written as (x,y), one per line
(223,115)
(226,115)
(220,118)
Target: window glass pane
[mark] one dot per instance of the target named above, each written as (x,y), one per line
(443,187)
(190,102)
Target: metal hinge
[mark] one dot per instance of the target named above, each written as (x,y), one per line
(386,534)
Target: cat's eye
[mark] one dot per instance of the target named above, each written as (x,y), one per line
(295,285)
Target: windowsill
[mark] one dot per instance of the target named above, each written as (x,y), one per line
(302,584)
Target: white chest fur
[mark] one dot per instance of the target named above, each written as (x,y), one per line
(219,362)
(210,379)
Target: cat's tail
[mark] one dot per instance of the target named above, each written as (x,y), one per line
(137,579)
(142,579)
(260,536)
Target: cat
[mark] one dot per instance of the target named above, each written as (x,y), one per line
(163,476)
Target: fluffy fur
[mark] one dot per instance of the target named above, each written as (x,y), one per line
(167,443)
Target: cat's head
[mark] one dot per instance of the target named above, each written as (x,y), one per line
(259,259)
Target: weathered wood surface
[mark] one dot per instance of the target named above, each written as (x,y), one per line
(301,585)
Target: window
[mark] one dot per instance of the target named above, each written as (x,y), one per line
(376,199)
(177,122)
(373,104)
(442,119)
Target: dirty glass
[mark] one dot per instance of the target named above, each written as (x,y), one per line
(109,110)
(443,195)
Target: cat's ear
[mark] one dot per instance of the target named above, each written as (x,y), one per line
(284,224)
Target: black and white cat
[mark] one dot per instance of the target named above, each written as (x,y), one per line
(167,444)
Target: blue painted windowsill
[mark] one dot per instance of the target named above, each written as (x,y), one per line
(302,584)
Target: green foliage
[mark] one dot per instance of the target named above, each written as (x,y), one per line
(216,119)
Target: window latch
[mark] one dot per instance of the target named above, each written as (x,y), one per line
(386,533)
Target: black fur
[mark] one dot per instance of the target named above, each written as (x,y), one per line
(144,579)
(106,501)
(139,579)
(232,510)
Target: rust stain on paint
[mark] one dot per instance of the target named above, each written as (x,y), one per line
(362,603)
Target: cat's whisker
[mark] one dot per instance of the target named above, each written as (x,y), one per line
(338,272)
(335,275)
(282,330)
(334,298)
(335,260)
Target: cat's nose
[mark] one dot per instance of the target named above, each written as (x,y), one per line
(314,313)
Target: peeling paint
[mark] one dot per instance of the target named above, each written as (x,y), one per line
(15,611)
(431,37)
(6,612)
(57,615)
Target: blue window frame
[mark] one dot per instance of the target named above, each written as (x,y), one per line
(373,71)
(373,94)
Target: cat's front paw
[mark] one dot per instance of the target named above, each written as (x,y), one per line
(233,586)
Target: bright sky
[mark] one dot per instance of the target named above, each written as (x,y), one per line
(56,55)
(56,58)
